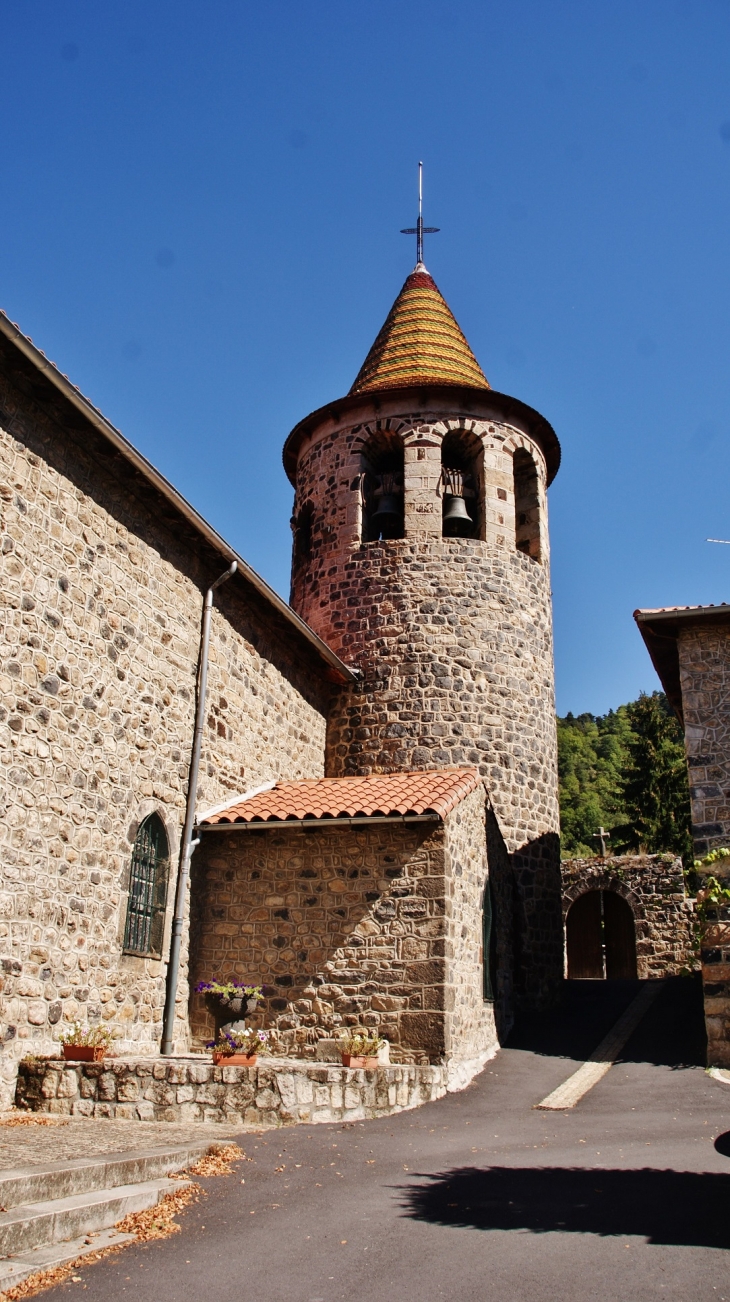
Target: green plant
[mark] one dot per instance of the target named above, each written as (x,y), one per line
(713,893)
(88,1037)
(248,1042)
(360,1043)
(229,990)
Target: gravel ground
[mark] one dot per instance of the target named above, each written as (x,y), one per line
(36,1145)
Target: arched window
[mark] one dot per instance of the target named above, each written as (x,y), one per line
(147,897)
(527,504)
(383,488)
(460,485)
(489,945)
(302,525)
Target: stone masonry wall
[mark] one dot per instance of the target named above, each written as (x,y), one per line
(380,927)
(653,886)
(471,1028)
(274,1093)
(453,637)
(716,983)
(343,927)
(704,666)
(99,637)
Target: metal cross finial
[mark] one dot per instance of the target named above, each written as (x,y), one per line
(602,835)
(420,230)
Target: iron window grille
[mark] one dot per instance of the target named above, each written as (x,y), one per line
(143,933)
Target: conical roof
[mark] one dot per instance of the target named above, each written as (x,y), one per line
(420,343)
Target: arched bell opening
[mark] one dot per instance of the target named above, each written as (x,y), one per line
(302,527)
(600,938)
(461,485)
(383,478)
(527,504)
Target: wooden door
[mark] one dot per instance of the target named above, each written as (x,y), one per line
(584,939)
(619,937)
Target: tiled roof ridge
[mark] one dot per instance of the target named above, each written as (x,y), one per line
(418,792)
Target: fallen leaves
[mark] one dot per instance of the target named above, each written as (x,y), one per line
(154,1223)
(217,1161)
(32,1119)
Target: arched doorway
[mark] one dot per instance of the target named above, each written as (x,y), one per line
(600,937)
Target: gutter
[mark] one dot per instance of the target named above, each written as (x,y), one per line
(684,614)
(73,395)
(277,824)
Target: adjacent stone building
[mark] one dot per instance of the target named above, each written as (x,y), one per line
(416,658)
(690,650)
(103,569)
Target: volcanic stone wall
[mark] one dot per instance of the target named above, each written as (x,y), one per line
(99,639)
(453,638)
(378,926)
(704,666)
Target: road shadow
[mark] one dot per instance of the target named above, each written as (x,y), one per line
(667,1207)
(672,1032)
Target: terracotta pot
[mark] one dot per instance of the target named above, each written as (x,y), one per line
(84,1052)
(352,1060)
(235,1059)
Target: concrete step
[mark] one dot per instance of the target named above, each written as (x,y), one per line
(30,1184)
(32,1225)
(13,1270)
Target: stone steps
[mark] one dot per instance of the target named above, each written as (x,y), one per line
(49,1212)
(32,1184)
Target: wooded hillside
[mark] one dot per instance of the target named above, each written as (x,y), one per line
(625,770)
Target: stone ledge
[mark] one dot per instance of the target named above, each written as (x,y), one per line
(276,1092)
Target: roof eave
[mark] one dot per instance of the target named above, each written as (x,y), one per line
(539,428)
(73,395)
(280,824)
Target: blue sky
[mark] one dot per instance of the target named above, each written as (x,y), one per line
(200,217)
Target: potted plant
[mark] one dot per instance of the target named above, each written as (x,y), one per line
(361,1049)
(85,1043)
(239,1048)
(239,998)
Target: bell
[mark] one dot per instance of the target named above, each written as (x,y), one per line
(388,505)
(456,517)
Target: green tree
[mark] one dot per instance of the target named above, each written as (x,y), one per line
(656,790)
(625,771)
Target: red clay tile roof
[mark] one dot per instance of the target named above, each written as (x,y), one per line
(434,791)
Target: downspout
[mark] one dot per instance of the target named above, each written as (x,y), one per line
(188,845)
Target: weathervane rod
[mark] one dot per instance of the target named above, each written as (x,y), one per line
(419,230)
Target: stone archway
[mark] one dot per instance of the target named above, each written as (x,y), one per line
(600,937)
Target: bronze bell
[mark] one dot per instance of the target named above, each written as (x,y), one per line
(388,505)
(456,517)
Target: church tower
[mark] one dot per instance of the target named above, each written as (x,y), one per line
(421,556)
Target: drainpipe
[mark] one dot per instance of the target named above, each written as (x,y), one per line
(188,844)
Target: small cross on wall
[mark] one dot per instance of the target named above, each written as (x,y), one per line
(603,836)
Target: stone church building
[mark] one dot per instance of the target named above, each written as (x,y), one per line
(377,801)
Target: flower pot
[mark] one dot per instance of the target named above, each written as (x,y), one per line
(352,1060)
(235,1059)
(84,1052)
(235,1004)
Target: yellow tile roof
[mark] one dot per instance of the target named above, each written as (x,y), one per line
(420,343)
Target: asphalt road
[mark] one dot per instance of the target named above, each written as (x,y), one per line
(479,1196)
